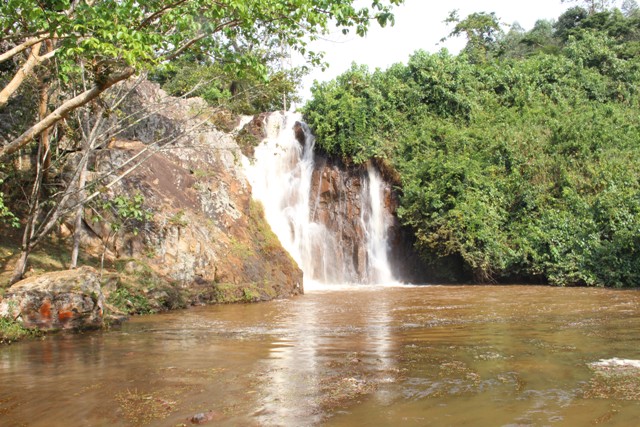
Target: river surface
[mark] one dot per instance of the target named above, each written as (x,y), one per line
(348,356)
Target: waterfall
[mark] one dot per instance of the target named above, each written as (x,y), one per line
(336,235)
(376,226)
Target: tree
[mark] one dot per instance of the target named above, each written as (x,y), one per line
(511,44)
(593,6)
(113,40)
(482,31)
(541,37)
(569,21)
(630,8)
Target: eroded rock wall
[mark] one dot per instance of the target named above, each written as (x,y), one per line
(205,236)
(339,202)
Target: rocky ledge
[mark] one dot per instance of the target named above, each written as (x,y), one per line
(58,300)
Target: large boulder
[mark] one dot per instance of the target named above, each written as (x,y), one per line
(70,299)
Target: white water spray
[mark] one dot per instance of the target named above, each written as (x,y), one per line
(281,177)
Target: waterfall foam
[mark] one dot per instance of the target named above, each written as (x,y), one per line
(281,175)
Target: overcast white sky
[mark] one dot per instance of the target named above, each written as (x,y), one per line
(419,25)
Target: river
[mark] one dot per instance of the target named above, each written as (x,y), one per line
(345,356)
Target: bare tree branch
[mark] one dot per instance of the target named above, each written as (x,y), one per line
(21,74)
(22,47)
(61,111)
(159,13)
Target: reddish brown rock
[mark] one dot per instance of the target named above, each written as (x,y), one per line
(70,299)
(337,197)
(206,238)
(336,194)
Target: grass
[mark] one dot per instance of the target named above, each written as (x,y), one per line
(227,293)
(12,331)
(129,301)
(142,291)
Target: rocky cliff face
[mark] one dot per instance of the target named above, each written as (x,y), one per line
(338,202)
(205,236)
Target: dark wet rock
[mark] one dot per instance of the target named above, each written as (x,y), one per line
(204,417)
(70,299)
(300,132)
(337,191)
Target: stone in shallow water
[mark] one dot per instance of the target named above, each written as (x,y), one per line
(204,417)
(70,299)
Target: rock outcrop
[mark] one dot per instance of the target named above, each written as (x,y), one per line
(205,237)
(337,203)
(69,299)
(338,200)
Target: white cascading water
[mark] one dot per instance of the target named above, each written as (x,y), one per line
(280,176)
(376,227)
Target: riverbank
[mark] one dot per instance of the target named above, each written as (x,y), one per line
(178,228)
(128,287)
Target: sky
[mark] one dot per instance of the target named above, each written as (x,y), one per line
(419,25)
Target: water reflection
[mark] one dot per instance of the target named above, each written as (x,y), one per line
(318,361)
(477,356)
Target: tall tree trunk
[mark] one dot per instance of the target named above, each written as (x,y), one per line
(34,212)
(89,141)
(77,231)
(43,110)
(20,267)
(34,202)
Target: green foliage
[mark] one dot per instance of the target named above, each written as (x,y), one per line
(6,216)
(482,31)
(525,166)
(250,295)
(129,301)
(250,93)
(127,212)
(112,34)
(12,331)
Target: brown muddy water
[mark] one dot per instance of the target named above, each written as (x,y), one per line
(379,356)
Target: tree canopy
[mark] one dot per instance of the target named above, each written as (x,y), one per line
(93,44)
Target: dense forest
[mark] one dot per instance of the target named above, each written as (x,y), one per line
(518,158)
